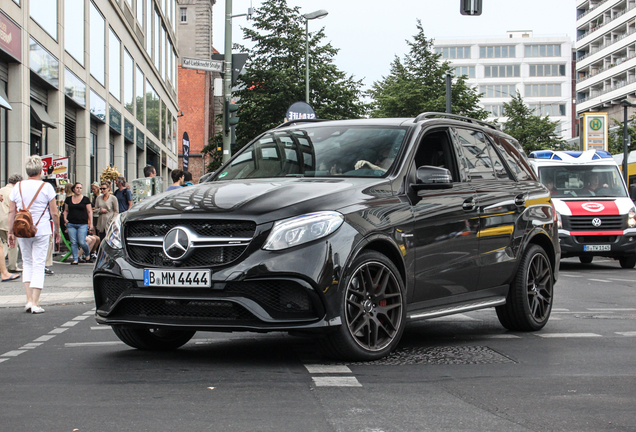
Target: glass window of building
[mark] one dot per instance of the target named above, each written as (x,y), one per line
(454,52)
(543,50)
(74,88)
(139,95)
(44,12)
(162,54)
(494,110)
(495,91)
(184,14)
(129,77)
(43,63)
(153,116)
(163,122)
(548,70)
(469,71)
(114,64)
(74,29)
(139,11)
(149,14)
(97,41)
(548,109)
(538,90)
(497,51)
(502,71)
(98,106)
(155,38)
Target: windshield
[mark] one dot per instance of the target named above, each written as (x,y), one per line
(583,181)
(319,152)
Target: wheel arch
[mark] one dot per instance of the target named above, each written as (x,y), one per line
(542,239)
(388,249)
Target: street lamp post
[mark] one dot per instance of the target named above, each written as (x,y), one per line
(310,16)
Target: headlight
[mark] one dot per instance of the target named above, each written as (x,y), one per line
(558,215)
(113,234)
(302,229)
(631,218)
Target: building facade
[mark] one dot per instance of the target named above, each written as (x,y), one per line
(605,55)
(196,87)
(94,80)
(539,68)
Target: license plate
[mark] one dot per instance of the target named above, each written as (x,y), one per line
(177,278)
(597,248)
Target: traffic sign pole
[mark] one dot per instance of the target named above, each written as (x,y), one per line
(227,78)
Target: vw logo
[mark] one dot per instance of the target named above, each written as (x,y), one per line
(596,222)
(176,243)
(593,207)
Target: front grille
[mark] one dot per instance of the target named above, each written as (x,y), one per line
(208,231)
(595,239)
(108,290)
(210,310)
(281,299)
(584,223)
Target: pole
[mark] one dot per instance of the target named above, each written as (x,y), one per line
(306,60)
(625,149)
(449,108)
(227,79)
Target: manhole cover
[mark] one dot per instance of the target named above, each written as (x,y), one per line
(441,356)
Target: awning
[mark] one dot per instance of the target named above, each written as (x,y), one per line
(3,100)
(41,115)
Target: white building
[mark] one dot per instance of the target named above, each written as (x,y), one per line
(605,55)
(539,68)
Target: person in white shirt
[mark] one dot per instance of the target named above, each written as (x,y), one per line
(46,217)
(5,192)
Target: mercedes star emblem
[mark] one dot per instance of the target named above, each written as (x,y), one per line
(176,243)
(596,222)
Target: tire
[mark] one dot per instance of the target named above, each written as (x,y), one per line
(529,301)
(372,310)
(153,339)
(586,259)
(628,261)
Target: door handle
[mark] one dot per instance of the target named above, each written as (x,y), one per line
(520,200)
(469,204)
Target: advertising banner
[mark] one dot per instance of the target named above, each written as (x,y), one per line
(186,151)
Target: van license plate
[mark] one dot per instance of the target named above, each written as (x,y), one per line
(597,248)
(177,278)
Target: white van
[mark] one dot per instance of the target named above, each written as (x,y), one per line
(596,215)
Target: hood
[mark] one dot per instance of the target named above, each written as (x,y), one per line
(260,200)
(593,207)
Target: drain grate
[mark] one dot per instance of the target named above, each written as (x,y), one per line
(464,355)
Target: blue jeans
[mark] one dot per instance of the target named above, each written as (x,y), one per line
(77,234)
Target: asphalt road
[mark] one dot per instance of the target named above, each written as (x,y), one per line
(59,371)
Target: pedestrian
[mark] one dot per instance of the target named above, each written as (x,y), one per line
(123,194)
(95,193)
(12,253)
(106,207)
(149,171)
(187,179)
(78,217)
(43,208)
(177,178)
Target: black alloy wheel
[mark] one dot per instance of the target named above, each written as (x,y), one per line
(529,301)
(373,311)
(156,339)
(627,262)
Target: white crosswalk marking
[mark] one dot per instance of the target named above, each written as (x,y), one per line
(629,333)
(321,368)
(83,344)
(13,353)
(340,381)
(568,335)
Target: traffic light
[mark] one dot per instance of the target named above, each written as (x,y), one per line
(230,115)
(470,7)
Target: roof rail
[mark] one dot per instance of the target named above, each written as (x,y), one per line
(455,117)
(292,122)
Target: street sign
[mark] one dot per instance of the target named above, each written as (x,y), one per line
(202,64)
(595,125)
(299,111)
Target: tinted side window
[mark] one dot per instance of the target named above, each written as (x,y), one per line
(476,154)
(516,161)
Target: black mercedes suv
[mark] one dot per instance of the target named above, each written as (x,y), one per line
(347,230)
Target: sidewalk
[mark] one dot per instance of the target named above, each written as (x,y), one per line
(69,284)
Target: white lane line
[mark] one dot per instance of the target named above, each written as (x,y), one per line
(44,338)
(560,310)
(103,327)
(569,275)
(628,334)
(80,318)
(58,330)
(600,280)
(568,335)
(31,345)
(500,336)
(89,313)
(324,369)
(611,309)
(621,280)
(83,344)
(13,353)
(3,359)
(340,381)
(70,323)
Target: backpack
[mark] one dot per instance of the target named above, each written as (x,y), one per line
(23,226)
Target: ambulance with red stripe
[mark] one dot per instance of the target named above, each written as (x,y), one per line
(597,218)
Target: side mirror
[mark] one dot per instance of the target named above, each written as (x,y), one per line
(431,177)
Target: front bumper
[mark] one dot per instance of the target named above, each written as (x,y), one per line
(619,244)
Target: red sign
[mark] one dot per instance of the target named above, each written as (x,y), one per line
(10,37)
(592,208)
(46,163)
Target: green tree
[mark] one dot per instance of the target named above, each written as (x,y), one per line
(274,75)
(532,131)
(417,84)
(615,138)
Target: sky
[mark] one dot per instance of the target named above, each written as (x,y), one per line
(370,33)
